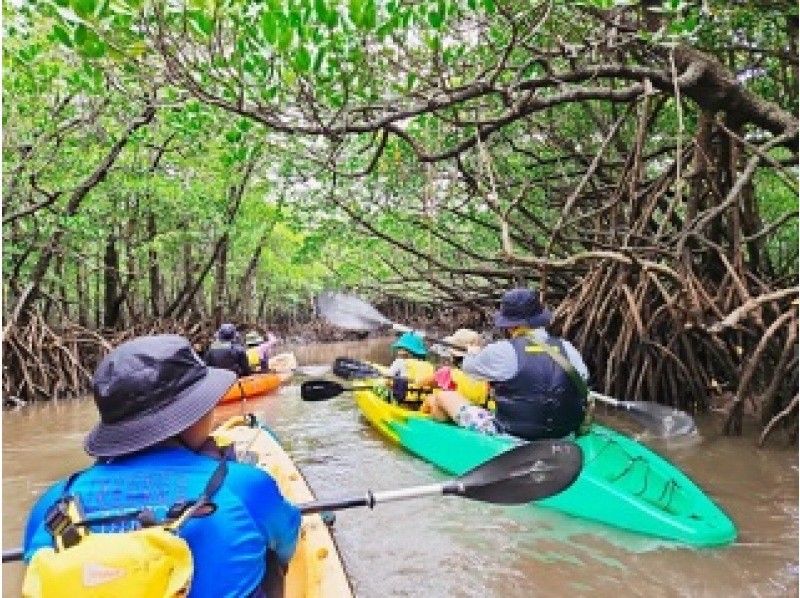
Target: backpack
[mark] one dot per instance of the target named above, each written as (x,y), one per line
(150,562)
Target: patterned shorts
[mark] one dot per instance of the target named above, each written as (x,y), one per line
(476,418)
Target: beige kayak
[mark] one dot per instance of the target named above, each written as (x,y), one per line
(316,570)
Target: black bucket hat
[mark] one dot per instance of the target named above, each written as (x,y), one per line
(149,389)
(521,307)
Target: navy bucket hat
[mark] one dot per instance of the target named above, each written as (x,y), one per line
(149,389)
(521,307)
(226,332)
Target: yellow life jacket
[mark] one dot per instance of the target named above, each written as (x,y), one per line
(254,359)
(475,391)
(150,562)
(417,370)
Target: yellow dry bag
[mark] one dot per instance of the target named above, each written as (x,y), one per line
(150,562)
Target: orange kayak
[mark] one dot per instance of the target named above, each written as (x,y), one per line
(254,385)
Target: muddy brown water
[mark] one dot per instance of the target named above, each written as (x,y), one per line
(453,547)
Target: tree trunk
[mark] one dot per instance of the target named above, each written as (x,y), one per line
(81,293)
(110,286)
(219,286)
(153,274)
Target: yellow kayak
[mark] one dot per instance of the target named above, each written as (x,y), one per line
(316,570)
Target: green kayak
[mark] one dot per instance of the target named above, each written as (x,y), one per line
(623,483)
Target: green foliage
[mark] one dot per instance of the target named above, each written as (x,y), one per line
(312,61)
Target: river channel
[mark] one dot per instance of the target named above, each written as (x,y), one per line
(454,547)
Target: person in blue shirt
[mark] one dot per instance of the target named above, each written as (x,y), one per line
(155,397)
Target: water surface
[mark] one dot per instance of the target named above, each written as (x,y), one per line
(442,547)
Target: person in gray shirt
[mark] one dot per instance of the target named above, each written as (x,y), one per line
(539,380)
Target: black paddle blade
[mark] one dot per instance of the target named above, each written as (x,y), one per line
(320,390)
(350,312)
(349,369)
(527,472)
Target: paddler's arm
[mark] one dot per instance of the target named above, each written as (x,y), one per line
(277,519)
(496,362)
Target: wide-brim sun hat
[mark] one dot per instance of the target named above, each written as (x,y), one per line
(253,339)
(521,307)
(463,337)
(412,343)
(149,389)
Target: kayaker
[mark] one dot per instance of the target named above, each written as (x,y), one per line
(450,402)
(228,352)
(409,362)
(155,398)
(259,350)
(463,337)
(538,380)
(451,377)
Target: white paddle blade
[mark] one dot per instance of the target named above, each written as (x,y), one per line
(350,312)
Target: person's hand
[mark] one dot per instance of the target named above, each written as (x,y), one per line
(473,349)
(426,405)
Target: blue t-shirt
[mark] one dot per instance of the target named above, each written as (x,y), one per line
(228,546)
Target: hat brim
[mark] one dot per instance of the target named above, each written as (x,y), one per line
(539,320)
(452,350)
(188,407)
(398,345)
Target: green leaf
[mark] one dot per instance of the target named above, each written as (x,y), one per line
(355,10)
(233,136)
(488,6)
(435,19)
(81,34)
(333,18)
(302,59)
(285,36)
(201,22)
(318,60)
(89,44)
(269,27)
(61,35)
(370,15)
(322,10)
(83,8)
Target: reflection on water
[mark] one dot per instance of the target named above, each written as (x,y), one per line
(441,547)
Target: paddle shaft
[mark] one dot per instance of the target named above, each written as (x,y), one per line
(609,400)
(370,499)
